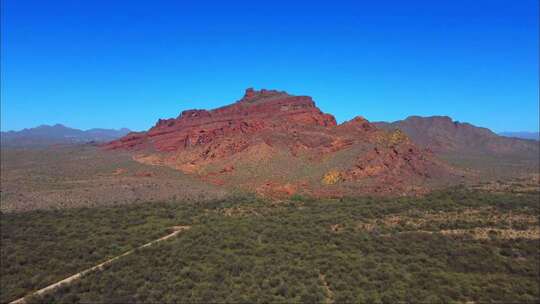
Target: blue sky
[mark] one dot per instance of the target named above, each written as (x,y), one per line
(127,63)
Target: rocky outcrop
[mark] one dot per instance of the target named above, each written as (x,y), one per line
(257,111)
(270,140)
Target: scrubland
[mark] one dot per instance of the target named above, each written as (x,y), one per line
(457,245)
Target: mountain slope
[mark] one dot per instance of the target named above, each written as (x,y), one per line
(45,135)
(443,135)
(276,143)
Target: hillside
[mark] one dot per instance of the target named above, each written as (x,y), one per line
(442,135)
(280,144)
(46,135)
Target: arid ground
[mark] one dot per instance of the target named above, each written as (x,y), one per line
(86,176)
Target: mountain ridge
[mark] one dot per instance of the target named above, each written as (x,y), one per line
(444,135)
(46,135)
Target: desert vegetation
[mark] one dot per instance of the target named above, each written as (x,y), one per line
(247,249)
(86,176)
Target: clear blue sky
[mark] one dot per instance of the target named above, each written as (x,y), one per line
(127,63)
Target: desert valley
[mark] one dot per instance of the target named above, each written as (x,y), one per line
(174,152)
(271,185)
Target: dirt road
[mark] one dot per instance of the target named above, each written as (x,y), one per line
(69,280)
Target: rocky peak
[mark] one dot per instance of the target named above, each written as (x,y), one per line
(358,123)
(257,112)
(194,114)
(251,95)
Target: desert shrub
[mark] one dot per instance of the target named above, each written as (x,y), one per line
(278,256)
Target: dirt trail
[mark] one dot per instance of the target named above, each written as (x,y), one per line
(71,279)
(328,292)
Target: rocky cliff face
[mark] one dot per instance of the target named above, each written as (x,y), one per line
(276,143)
(256,112)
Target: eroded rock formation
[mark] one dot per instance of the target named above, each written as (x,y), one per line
(272,140)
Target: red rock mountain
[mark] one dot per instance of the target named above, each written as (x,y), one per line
(280,144)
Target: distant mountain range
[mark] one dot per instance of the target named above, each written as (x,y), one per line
(523,135)
(46,135)
(443,135)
